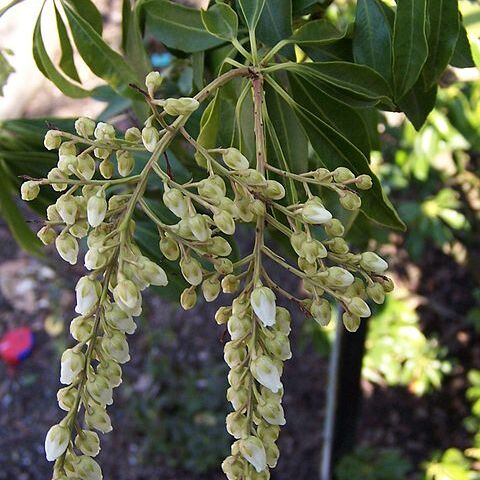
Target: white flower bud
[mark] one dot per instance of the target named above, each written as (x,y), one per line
(30,190)
(222,315)
(133,134)
(272,412)
(66,398)
(372,262)
(55,175)
(67,208)
(111,371)
(96,209)
(266,373)
(237,425)
(150,137)
(99,389)
(342,174)
(358,307)
(53,139)
(376,293)
(191,271)
(238,327)
(81,329)
(283,320)
(102,153)
(125,163)
(175,202)
(339,277)
(199,227)
(127,295)
(152,273)
(104,131)
(274,190)
(314,212)
(268,433)
(88,443)
(234,354)
(96,417)
(47,235)
(263,304)
(253,451)
(234,159)
(94,259)
(212,188)
(52,214)
(180,106)
(72,364)
(153,81)
(120,320)
(116,347)
(85,127)
(88,293)
(321,311)
(86,166)
(233,467)
(237,397)
(224,221)
(56,442)
(87,468)
(67,247)
(169,248)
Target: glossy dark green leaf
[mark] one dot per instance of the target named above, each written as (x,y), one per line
(209,126)
(100,58)
(301,6)
(67,63)
(341,51)
(177,26)
(335,150)
(372,40)
(221,21)
(410,47)
(419,102)
(462,55)
(251,9)
(317,32)
(275,23)
(46,66)
(444,27)
(89,12)
(359,79)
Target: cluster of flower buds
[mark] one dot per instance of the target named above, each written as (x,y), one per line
(255,354)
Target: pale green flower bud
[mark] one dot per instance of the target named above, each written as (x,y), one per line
(67,208)
(350,200)
(263,304)
(342,174)
(358,307)
(153,81)
(67,158)
(81,329)
(125,163)
(169,248)
(119,320)
(266,373)
(175,201)
(104,131)
(212,188)
(188,298)
(314,212)
(376,293)
(106,168)
(53,139)
(237,377)
(88,443)
(66,398)
(253,451)
(56,175)
(79,229)
(356,289)
(211,288)
(312,250)
(237,425)
(373,263)
(150,137)
(233,467)
(94,259)
(274,190)
(30,190)
(199,227)
(306,266)
(180,106)
(252,177)
(228,205)
(222,315)
(241,306)
(338,245)
(351,322)
(126,295)
(234,354)
(272,412)
(223,266)
(67,247)
(111,371)
(72,363)
(339,277)
(220,247)
(47,235)
(279,346)
(52,214)
(88,294)
(85,127)
(234,159)
(191,271)
(334,228)
(321,311)
(297,241)
(244,206)
(268,433)
(364,182)
(133,134)
(273,454)
(258,208)
(118,201)
(237,397)
(102,153)
(282,320)
(152,273)
(115,345)
(387,284)
(56,442)
(86,166)
(322,175)
(99,389)
(238,327)
(96,209)
(230,284)
(224,221)
(87,468)
(96,417)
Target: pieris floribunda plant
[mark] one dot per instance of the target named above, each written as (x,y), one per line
(103,189)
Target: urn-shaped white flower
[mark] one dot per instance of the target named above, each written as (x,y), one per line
(72,364)
(96,210)
(314,212)
(88,293)
(253,451)
(56,442)
(263,304)
(371,261)
(266,373)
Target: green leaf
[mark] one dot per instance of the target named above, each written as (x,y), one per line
(372,40)
(100,58)
(358,79)
(462,56)
(410,47)
(275,23)
(316,32)
(67,63)
(177,26)
(89,12)
(300,6)
(251,9)
(13,216)
(338,51)
(418,103)
(335,150)
(444,27)
(46,66)
(209,126)
(221,20)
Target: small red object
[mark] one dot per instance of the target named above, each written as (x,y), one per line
(16,345)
